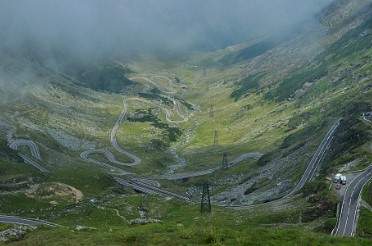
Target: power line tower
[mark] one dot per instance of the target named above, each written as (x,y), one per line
(215,137)
(143,206)
(225,163)
(205,203)
(211,111)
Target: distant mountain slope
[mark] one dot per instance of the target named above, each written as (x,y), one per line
(97,74)
(289,70)
(104,77)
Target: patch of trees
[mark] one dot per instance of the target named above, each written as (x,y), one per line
(170,133)
(107,78)
(248,85)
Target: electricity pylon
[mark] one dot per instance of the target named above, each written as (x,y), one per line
(215,137)
(205,203)
(211,111)
(225,163)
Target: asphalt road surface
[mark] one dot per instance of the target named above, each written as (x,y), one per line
(168,113)
(33,163)
(15,144)
(113,140)
(348,217)
(151,81)
(111,169)
(308,174)
(34,149)
(15,220)
(236,161)
(316,159)
(149,188)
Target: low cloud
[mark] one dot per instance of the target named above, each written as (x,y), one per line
(124,27)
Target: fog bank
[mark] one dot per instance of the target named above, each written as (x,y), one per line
(125,27)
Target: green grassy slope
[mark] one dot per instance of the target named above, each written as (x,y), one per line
(277,99)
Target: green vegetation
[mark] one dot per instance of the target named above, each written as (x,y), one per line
(365,217)
(367,193)
(155,95)
(4,227)
(249,52)
(90,181)
(365,224)
(323,204)
(181,225)
(247,85)
(288,86)
(350,144)
(12,166)
(171,134)
(352,43)
(252,114)
(108,78)
(201,234)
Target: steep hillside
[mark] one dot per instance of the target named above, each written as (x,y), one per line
(265,123)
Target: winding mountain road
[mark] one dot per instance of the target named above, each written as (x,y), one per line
(114,142)
(15,220)
(15,144)
(236,161)
(113,138)
(150,189)
(149,79)
(30,161)
(167,112)
(309,173)
(113,170)
(316,159)
(176,107)
(180,162)
(366,116)
(348,217)
(113,133)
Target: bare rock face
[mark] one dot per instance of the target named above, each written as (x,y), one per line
(84,228)
(69,141)
(14,234)
(55,192)
(143,221)
(301,92)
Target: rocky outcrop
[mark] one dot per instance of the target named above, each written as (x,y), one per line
(15,234)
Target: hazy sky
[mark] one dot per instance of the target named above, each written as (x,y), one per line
(112,26)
